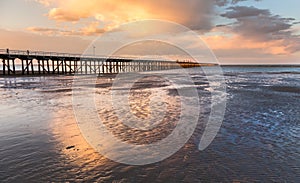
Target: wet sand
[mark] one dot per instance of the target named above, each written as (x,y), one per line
(258,140)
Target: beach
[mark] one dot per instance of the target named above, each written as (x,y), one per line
(257,142)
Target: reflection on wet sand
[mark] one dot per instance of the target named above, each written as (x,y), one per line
(77,150)
(72,143)
(139,103)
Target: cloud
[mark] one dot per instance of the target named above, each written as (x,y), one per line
(235,49)
(43,30)
(227,2)
(239,12)
(261,25)
(54,31)
(65,15)
(253,32)
(90,30)
(44,2)
(236,45)
(196,14)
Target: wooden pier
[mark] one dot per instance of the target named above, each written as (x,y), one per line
(19,62)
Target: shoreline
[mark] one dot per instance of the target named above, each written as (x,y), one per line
(260,65)
(112,75)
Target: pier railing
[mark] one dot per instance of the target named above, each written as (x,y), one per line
(56,54)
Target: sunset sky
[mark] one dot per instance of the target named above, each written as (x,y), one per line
(238,31)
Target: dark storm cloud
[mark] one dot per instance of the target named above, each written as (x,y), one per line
(240,12)
(226,2)
(261,24)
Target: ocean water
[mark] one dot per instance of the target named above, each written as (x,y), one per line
(258,141)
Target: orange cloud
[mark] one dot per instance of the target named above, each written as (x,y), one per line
(193,13)
(90,30)
(236,42)
(47,31)
(63,15)
(44,2)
